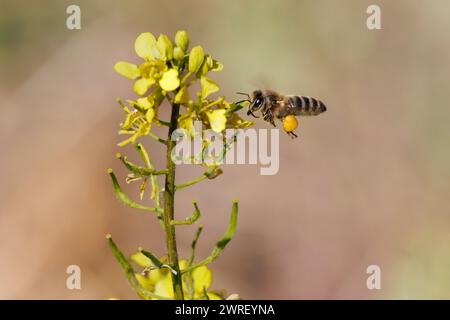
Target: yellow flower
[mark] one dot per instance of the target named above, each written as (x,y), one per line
(155,53)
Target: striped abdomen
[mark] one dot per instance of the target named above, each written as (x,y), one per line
(305,106)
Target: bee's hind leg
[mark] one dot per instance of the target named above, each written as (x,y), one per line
(292,135)
(273,122)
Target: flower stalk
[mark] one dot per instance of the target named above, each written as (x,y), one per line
(169,206)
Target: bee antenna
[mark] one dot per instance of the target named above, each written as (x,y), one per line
(244,94)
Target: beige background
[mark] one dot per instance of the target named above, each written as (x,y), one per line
(366,183)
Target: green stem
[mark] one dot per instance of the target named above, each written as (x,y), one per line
(169,203)
(211,173)
(155,137)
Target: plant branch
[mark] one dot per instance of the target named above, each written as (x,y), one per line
(221,244)
(125,199)
(156,190)
(137,170)
(191,219)
(155,137)
(211,173)
(189,280)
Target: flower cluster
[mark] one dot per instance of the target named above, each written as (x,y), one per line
(167,72)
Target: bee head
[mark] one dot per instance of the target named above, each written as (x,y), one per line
(257,102)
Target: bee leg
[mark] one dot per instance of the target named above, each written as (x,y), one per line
(292,135)
(273,122)
(268,116)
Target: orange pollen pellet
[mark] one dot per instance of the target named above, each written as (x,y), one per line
(290,123)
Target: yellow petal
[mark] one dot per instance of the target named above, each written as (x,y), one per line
(202,277)
(217,119)
(142,85)
(182,97)
(150,115)
(155,276)
(164,286)
(144,45)
(213,296)
(165,47)
(141,260)
(187,124)
(144,281)
(126,69)
(208,86)
(182,264)
(144,103)
(170,80)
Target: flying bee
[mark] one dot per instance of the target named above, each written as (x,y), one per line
(273,105)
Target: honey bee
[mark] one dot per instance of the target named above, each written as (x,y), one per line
(273,105)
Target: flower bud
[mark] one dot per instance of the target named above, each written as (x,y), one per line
(182,40)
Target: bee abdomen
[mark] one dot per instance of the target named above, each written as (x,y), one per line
(306,106)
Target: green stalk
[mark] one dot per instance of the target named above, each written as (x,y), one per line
(169,204)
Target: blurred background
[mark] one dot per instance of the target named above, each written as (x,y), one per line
(366,183)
